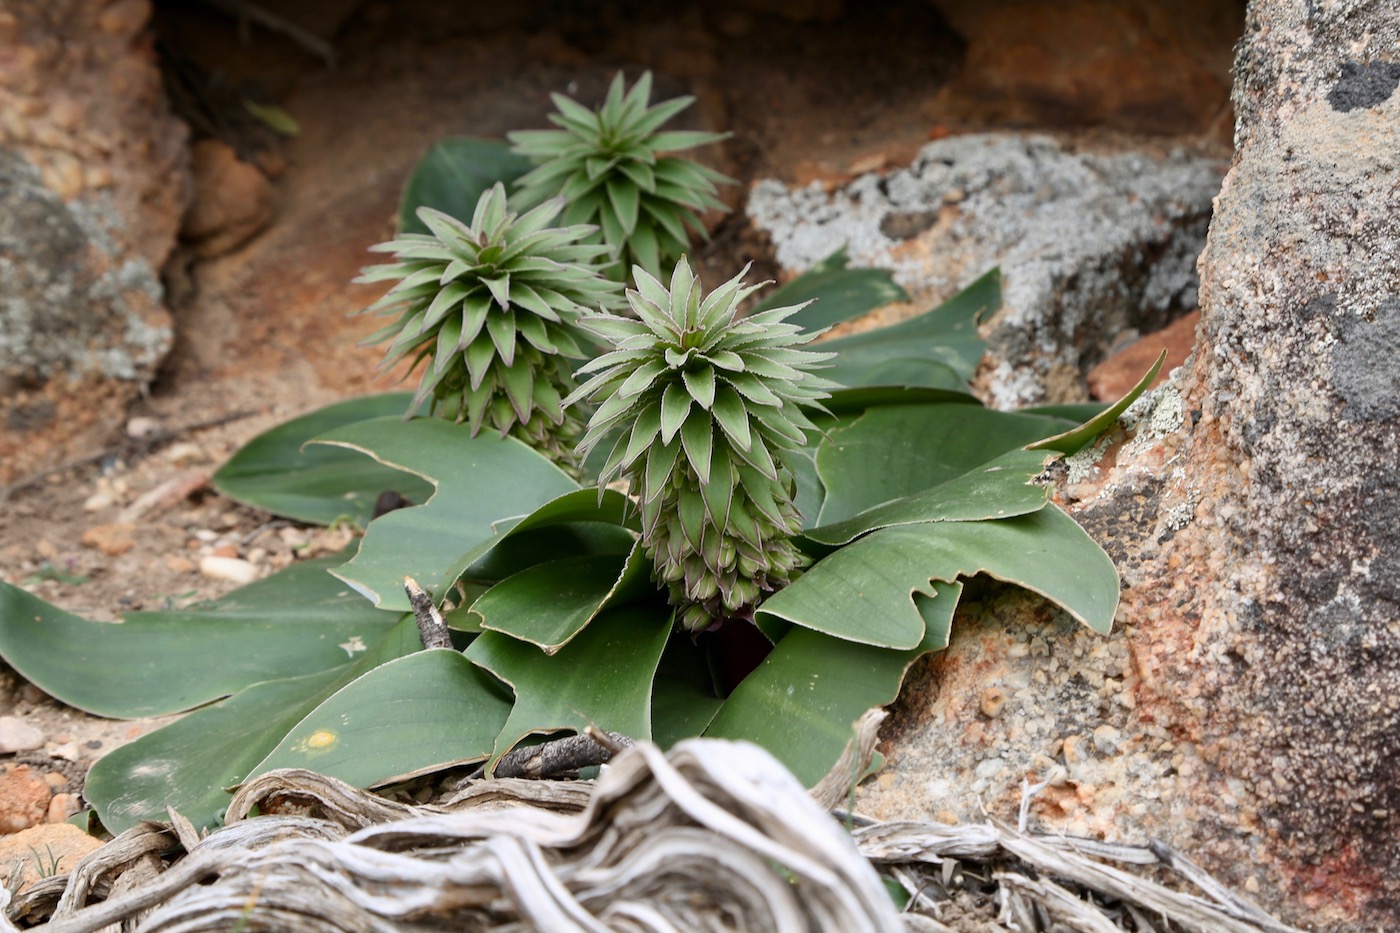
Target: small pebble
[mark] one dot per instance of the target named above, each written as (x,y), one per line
(62,806)
(16,735)
(98,501)
(113,540)
(68,751)
(1106,739)
(185,452)
(232,569)
(178,564)
(993,701)
(140,427)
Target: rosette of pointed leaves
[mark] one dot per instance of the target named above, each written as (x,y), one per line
(608,165)
(710,406)
(492,308)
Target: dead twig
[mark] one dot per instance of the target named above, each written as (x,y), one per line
(560,756)
(432,629)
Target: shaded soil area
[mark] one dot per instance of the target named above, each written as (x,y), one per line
(810,92)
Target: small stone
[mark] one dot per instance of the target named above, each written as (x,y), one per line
(24,798)
(233,569)
(179,564)
(66,751)
(993,701)
(1106,739)
(46,549)
(63,806)
(16,735)
(113,540)
(141,426)
(98,501)
(1074,750)
(989,768)
(186,452)
(224,550)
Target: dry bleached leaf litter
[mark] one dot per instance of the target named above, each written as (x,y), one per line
(714,836)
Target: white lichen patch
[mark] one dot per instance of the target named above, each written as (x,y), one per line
(1179,516)
(1168,412)
(1083,465)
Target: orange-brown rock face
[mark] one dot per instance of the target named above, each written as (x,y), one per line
(92,188)
(1136,65)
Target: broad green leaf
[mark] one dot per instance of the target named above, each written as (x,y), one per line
(897,451)
(518,550)
(481,482)
(865,591)
(1072,441)
(276,472)
(946,335)
(848,401)
(808,500)
(549,603)
(683,700)
(841,294)
(452,176)
(803,701)
(296,621)
(581,522)
(415,714)
(189,763)
(999,489)
(601,678)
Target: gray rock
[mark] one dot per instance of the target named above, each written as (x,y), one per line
(1089,244)
(1253,681)
(16,735)
(69,305)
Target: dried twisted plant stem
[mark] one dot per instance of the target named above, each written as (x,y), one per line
(714,836)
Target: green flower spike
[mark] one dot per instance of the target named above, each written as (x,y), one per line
(493,306)
(710,407)
(606,164)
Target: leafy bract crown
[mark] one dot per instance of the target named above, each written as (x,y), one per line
(608,165)
(709,405)
(493,307)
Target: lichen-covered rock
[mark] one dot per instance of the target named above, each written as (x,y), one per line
(1253,686)
(93,183)
(1088,244)
(69,307)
